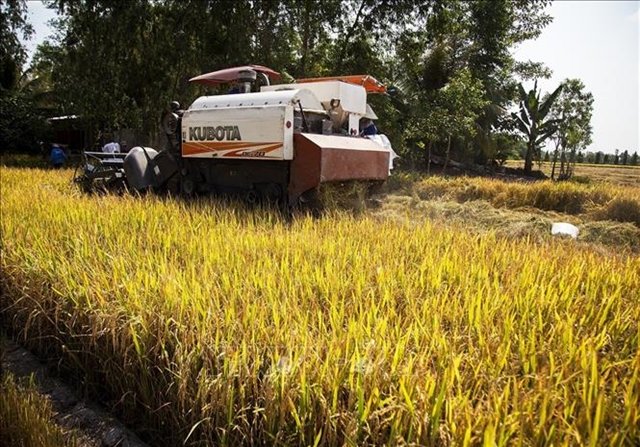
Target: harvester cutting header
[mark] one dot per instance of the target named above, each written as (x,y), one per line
(262,141)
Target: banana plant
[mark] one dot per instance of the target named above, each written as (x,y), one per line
(532,120)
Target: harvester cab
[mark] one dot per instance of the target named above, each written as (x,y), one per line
(264,141)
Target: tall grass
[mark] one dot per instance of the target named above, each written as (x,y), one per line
(213,324)
(26,417)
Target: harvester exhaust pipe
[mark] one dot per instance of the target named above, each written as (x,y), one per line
(247,77)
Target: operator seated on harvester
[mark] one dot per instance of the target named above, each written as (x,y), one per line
(112,146)
(367,126)
(171,125)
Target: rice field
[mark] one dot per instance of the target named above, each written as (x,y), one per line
(620,174)
(202,323)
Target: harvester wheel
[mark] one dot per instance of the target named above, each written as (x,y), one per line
(309,202)
(172,186)
(84,183)
(273,192)
(251,197)
(187,186)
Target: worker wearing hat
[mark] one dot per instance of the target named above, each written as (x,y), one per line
(367,126)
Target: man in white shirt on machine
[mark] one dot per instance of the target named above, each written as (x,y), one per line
(112,147)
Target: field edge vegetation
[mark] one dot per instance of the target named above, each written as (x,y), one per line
(26,417)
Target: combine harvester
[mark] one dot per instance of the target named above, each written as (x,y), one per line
(266,142)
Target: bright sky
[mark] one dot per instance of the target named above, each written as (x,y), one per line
(595,41)
(39,17)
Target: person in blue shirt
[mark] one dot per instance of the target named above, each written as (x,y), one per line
(234,89)
(368,128)
(57,157)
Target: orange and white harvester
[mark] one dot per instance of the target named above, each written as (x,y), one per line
(265,141)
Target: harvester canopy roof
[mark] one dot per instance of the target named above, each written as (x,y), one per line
(371,84)
(231,74)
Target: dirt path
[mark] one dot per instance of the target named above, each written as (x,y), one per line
(92,424)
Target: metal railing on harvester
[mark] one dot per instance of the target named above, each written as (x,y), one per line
(100,171)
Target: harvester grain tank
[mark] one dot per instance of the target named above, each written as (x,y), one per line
(274,142)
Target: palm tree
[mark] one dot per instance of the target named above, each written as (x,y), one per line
(532,122)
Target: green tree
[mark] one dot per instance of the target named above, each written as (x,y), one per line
(452,113)
(312,22)
(494,27)
(599,156)
(13,24)
(532,120)
(624,159)
(119,63)
(477,36)
(22,122)
(572,110)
